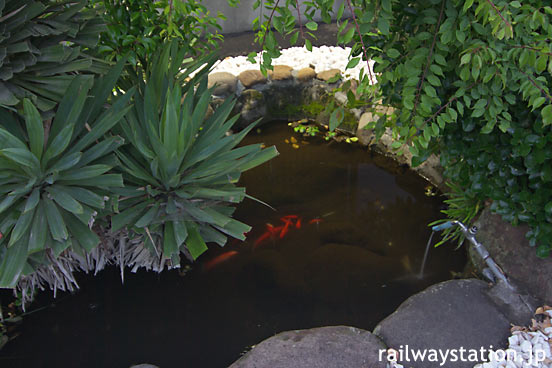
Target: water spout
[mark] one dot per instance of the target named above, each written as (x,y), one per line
(421,274)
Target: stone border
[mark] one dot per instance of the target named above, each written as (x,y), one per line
(288,94)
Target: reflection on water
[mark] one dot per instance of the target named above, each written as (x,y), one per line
(350,253)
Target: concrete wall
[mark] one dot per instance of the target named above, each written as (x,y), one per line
(239,19)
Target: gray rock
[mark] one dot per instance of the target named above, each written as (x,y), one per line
(341,97)
(324,347)
(365,135)
(511,251)
(457,314)
(253,105)
(518,307)
(225,83)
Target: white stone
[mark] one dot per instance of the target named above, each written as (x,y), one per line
(526,346)
(321,58)
(510,364)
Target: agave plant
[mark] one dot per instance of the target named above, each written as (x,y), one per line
(53,182)
(183,164)
(41,45)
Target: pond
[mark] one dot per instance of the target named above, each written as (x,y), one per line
(343,246)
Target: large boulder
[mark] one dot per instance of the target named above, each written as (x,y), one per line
(448,316)
(510,249)
(324,347)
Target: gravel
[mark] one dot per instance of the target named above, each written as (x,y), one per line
(320,59)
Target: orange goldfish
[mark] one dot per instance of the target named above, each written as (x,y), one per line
(261,239)
(315,221)
(275,230)
(289,217)
(218,260)
(271,232)
(298,224)
(285,229)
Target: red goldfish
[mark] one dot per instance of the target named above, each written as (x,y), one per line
(280,231)
(275,230)
(315,221)
(261,239)
(218,260)
(286,228)
(289,217)
(271,232)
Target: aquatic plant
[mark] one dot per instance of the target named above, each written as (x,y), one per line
(309,130)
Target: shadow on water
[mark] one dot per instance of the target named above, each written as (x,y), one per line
(355,256)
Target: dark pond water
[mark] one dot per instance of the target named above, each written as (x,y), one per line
(352,260)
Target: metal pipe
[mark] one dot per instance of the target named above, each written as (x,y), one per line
(479,248)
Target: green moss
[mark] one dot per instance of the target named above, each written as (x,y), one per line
(312,109)
(349,124)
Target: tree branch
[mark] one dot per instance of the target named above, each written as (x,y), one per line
(537,86)
(500,14)
(421,83)
(300,23)
(269,22)
(370,75)
(445,106)
(533,49)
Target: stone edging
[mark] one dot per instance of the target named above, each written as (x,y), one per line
(289,94)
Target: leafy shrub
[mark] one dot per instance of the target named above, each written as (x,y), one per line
(181,167)
(513,168)
(54,182)
(138,28)
(42,44)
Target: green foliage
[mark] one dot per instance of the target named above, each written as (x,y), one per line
(181,167)
(469,80)
(512,168)
(309,130)
(54,181)
(461,206)
(137,28)
(42,45)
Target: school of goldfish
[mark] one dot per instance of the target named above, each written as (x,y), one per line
(272,233)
